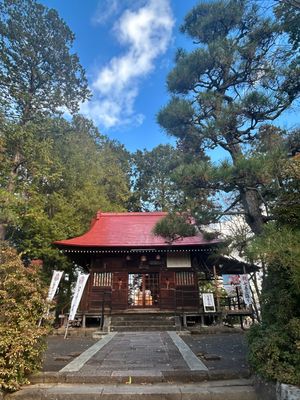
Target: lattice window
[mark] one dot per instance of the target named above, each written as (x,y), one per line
(185,278)
(102,278)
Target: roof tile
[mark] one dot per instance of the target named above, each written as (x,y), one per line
(129,229)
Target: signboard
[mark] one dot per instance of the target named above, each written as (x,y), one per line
(246,289)
(56,277)
(230,282)
(178,261)
(80,284)
(208,302)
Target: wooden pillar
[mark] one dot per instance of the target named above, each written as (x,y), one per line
(217,287)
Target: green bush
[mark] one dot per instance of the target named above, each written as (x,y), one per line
(275,351)
(274,346)
(21,306)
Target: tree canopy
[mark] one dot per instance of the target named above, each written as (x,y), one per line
(71,171)
(236,79)
(152,184)
(288,12)
(39,75)
(55,173)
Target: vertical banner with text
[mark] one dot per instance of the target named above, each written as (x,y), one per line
(246,289)
(56,277)
(80,284)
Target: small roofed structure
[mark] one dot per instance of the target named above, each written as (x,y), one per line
(132,270)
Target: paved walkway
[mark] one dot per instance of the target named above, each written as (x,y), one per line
(136,354)
(219,352)
(138,366)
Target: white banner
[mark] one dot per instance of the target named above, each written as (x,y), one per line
(246,289)
(56,277)
(208,302)
(80,284)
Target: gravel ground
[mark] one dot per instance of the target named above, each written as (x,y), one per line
(220,351)
(61,351)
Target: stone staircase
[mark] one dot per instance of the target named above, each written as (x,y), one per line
(225,390)
(140,322)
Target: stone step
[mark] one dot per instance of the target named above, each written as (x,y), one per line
(142,323)
(225,390)
(143,317)
(140,376)
(142,328)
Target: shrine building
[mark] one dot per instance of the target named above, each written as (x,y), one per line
(132,271)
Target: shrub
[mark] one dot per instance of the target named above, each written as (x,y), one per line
(21,306)
(275,351)
(275,344)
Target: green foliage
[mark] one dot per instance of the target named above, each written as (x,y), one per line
(55,174)
(279,247)
(69,171)
(287,208)
(275,351)
(234,54)
(275,344)
(288,12)
(174,226)
(39,74)
(176,116)
(37,81)
(223,95)
(152,182)
(240,75)
(208,22)
(22,304)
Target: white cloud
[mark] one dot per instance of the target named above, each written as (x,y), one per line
(105,10)
(146,31)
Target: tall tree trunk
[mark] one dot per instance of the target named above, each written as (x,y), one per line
(253,214)
(249,196)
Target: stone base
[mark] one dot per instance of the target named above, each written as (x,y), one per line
(275,391)
(287,392)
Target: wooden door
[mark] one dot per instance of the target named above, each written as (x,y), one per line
(143,289)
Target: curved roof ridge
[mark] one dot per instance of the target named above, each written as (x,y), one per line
(128,229)
(126,213)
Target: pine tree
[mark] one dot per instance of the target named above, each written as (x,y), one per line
(237,78)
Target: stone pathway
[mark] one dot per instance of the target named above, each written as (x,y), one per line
(136,353)
(138,366)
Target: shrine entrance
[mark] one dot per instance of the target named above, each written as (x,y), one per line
(143,289)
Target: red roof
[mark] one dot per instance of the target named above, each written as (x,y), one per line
(130,229)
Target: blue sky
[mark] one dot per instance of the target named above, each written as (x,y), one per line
(127,48)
